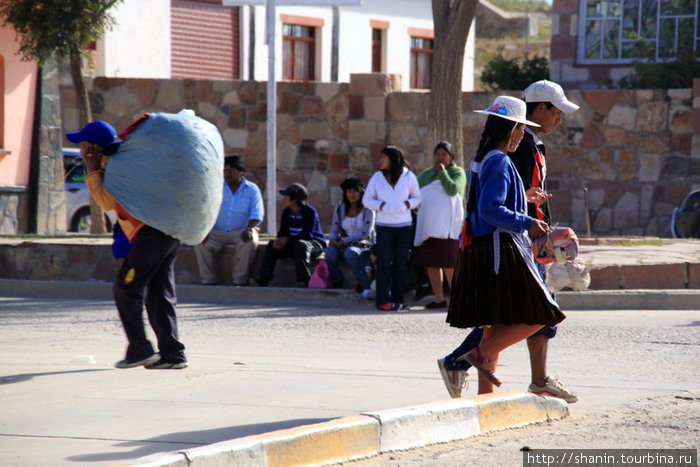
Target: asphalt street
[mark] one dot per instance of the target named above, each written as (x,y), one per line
(257,368)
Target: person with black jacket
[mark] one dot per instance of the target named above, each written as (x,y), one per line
(300,237)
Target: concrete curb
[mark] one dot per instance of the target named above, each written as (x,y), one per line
(641,299)
(371,433)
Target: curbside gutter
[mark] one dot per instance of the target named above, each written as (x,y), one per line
(640,299)
(370,433)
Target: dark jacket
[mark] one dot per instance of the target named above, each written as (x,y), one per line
(530,163)
(311,229)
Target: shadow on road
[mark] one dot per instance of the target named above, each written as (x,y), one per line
(175,442)
(9,379)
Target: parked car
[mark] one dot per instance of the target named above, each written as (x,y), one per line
(77,194)
(685,221)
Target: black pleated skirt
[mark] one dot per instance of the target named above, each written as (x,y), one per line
(481,297)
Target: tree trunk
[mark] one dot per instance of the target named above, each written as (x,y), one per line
(97,215)
(452,20)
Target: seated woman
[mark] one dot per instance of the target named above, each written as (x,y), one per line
(352,235)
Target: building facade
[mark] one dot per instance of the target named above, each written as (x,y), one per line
(596,42)
(204,39)
(18,85)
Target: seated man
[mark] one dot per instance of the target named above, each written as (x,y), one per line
(299,237)
(237,224)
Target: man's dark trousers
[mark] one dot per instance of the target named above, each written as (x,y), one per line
(150,267)
(303,251)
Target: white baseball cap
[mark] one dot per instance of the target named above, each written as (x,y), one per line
(510,108)
(549,91)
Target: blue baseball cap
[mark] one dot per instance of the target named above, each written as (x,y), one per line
(97,132)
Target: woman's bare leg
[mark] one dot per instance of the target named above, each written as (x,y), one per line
(496,338)
(435,276)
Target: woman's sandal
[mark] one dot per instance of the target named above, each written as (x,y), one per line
(478,364)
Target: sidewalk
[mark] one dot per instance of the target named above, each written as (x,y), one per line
(615,263)
(638,299)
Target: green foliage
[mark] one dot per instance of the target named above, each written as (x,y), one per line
(502,74)
(45,26)
(523,5)
(664,75)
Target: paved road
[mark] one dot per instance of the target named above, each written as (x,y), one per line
(268,367)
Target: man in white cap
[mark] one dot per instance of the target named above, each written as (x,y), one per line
(546,106)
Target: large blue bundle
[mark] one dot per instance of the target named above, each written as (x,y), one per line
(169,173)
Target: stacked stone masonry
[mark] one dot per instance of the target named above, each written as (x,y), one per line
(631,156)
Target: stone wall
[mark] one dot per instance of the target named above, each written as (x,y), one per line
(51,197)
(14,209)
(630,151)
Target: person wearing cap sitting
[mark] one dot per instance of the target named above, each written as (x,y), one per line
(300,237)
(150,264)
(237,224)
(546,105)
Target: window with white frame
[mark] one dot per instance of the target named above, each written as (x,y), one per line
(624,31)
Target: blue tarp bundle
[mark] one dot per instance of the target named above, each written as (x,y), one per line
(169,173)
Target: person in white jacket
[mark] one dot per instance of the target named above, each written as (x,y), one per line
(392,193)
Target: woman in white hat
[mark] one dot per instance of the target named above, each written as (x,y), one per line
(496,283)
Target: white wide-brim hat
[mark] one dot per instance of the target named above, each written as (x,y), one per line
(510,108)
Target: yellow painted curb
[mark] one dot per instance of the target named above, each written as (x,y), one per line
(338,440)
(511,409)
(372,433)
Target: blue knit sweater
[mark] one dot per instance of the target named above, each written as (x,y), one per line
(500,198)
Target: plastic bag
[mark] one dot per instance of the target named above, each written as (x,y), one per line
(572,274)
(320,279)
(169,173)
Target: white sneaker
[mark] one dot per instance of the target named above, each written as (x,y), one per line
(554,388)
(455,380)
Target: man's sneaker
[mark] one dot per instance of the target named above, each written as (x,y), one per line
(163,365)
(134,363)
(554,388)
(455,380)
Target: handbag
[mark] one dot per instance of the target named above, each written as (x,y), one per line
(557,245)
(320,279)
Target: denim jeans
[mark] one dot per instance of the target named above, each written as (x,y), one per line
(393,244)
(356,257)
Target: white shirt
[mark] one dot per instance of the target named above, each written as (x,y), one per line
(394,213)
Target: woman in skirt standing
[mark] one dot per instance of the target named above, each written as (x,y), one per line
(439,219)
(496,283)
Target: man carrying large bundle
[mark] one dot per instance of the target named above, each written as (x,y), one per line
(149,269)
